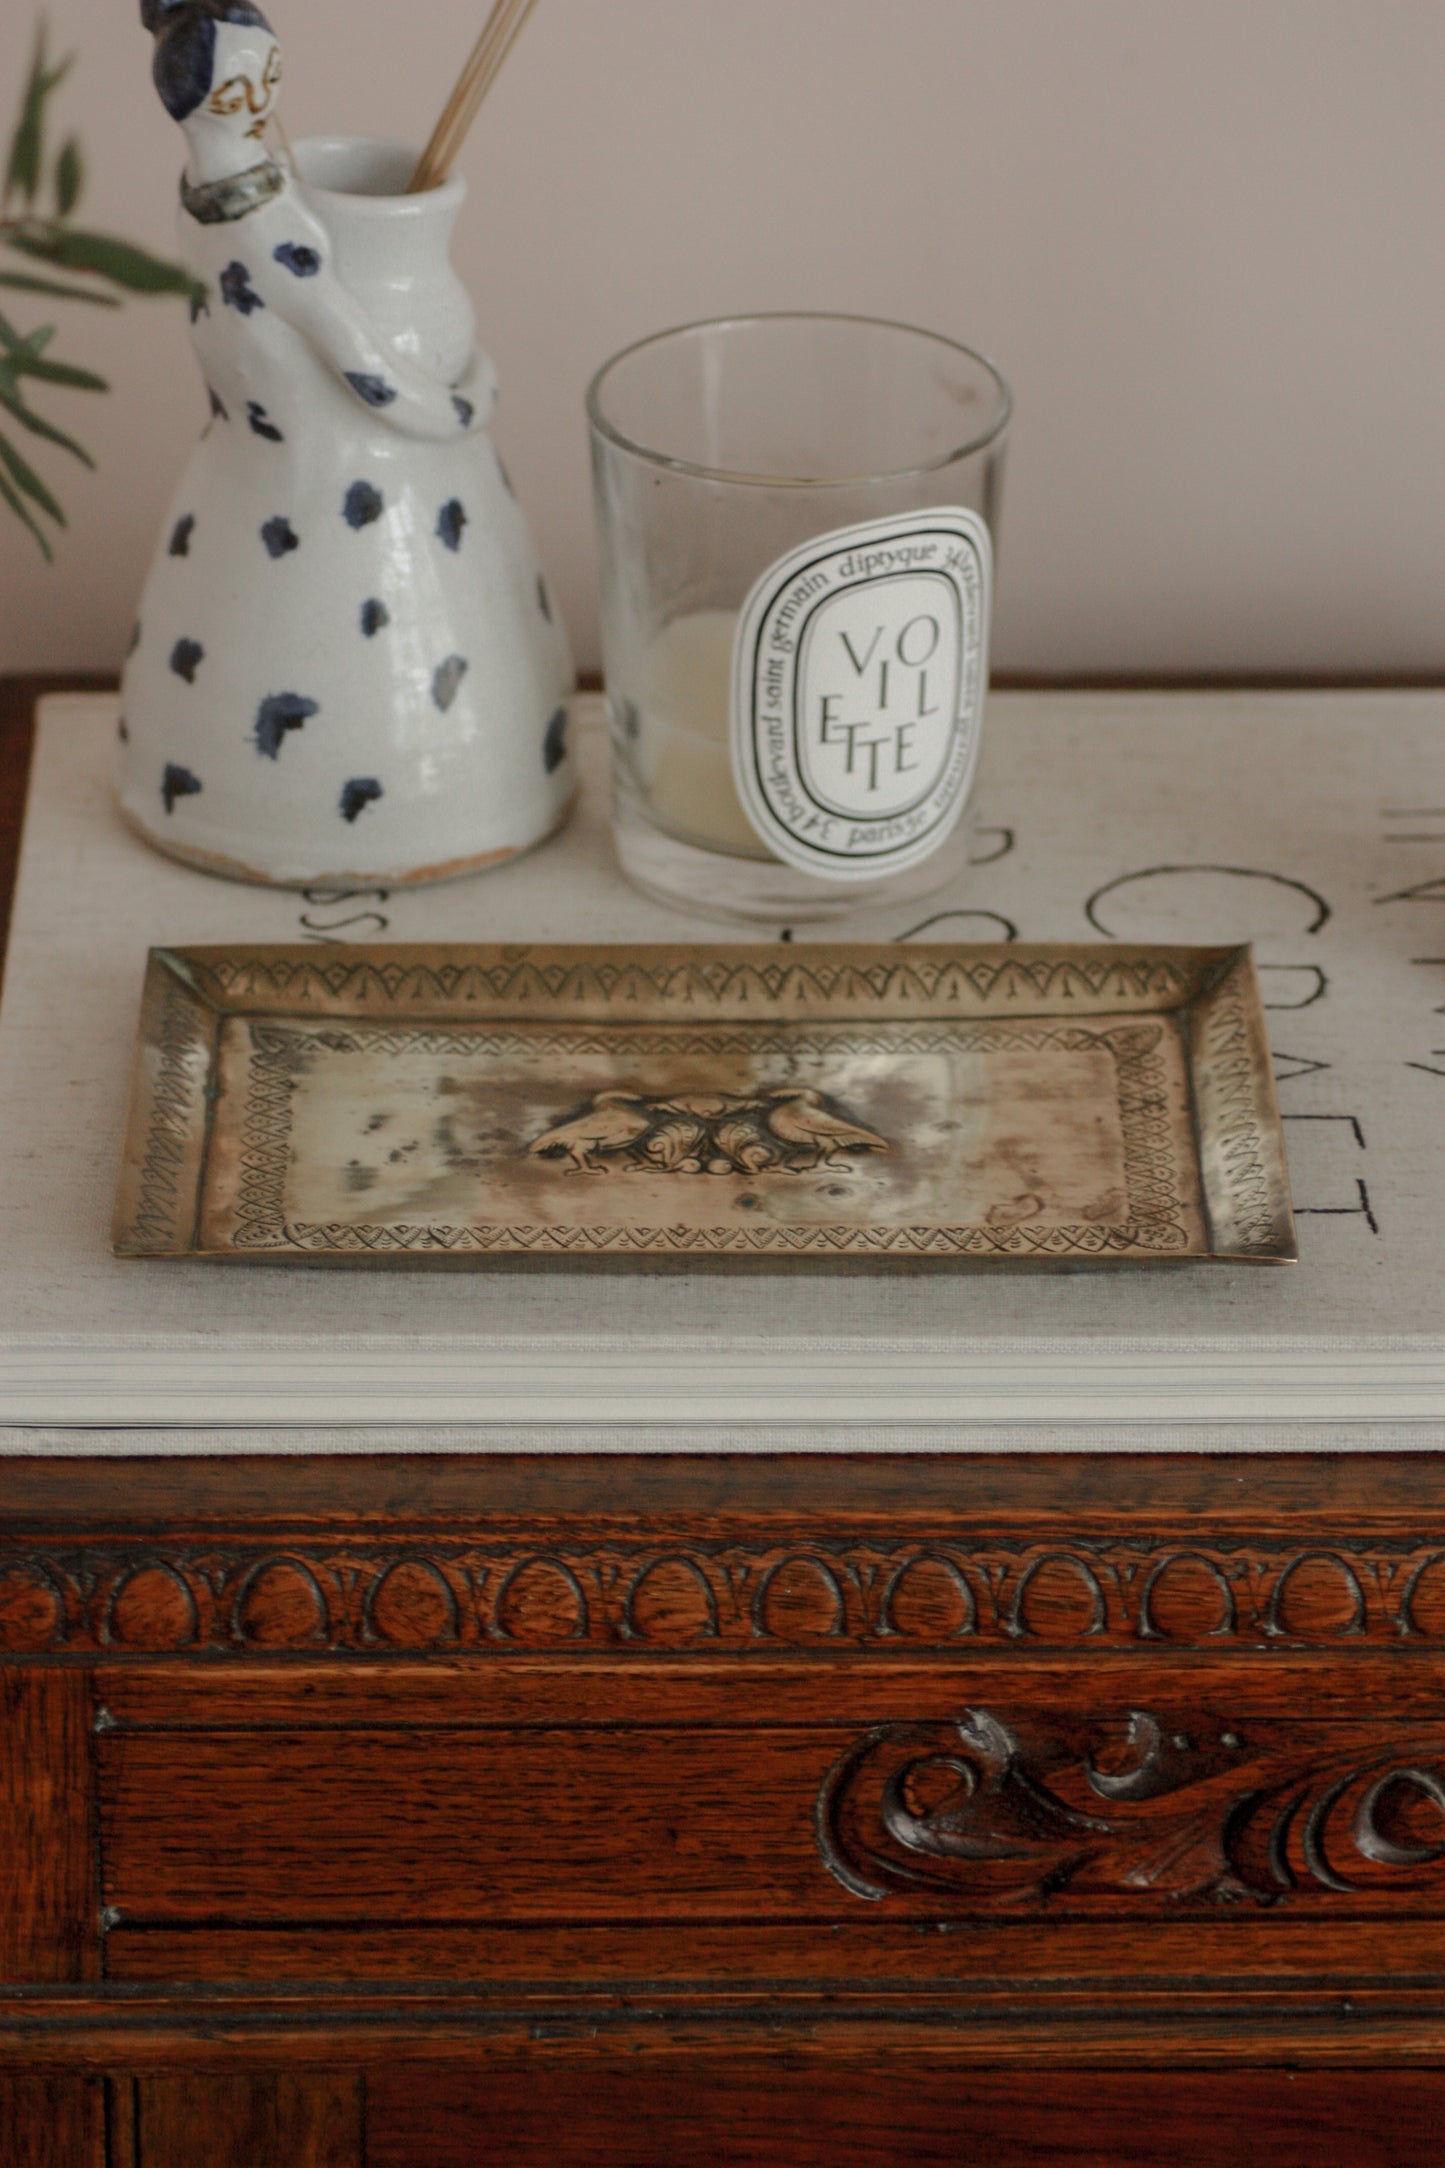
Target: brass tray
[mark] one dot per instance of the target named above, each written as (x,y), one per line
(820,1105)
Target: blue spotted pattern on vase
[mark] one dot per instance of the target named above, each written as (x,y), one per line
(186,658)
(302,262)
(307,714)
(361,791)
(373,389)
(278,713)
(280,536)
(237,291)
(554,744)
(446,678)
(362,504)
(177,782)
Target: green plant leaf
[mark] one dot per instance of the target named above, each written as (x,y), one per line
(59,372)
(119,261)
(22,511)
(27,145)
(22,167)
(33,343)
(69,177)
(38,426)
(24,476)
(21,283)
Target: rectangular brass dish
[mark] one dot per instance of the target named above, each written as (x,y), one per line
(1093,1104)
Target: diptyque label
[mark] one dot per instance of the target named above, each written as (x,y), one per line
(859,674)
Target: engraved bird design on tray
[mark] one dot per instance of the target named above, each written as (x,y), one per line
(791,1127)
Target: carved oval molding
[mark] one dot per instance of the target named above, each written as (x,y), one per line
(32,1609)
(541,1600)
(280,1604)
(1423,1608)
(1088,1595)
(928,1598)
(1059,1597)
(800,1598)
(412,1605)
(1187,1597)
(1319,1593)
(153,1606)
(672,1602)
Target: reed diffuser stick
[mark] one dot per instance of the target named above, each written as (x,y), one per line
(478,66)
(500,33)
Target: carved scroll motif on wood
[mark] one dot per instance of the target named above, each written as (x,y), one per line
(985,1814)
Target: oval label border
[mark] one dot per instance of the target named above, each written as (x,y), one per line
(775,696)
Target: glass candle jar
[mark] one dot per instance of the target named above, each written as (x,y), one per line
(795,521)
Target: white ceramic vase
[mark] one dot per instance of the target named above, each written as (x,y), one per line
(348,667)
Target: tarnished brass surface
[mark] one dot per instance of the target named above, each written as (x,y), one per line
(961,1105)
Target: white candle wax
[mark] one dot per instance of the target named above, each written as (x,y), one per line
(682,756)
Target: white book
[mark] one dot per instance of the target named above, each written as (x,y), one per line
(1313,824)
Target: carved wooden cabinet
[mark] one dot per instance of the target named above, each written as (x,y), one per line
(622,1810)
(429,1809)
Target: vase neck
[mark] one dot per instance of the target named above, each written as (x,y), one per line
(391,249)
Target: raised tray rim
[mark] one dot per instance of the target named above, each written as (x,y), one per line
(188,990)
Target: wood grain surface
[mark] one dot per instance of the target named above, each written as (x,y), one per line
(53,2120)
(49,1901)
(18,696)
(1269,1960)
(17,701)
(1312,1497)
(742,2114)
(292,2120)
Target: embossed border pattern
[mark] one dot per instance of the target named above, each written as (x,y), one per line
(280,1056)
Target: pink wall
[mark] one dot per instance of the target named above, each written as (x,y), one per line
(1204,238)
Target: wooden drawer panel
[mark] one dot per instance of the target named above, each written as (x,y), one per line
(1054,1764)
(260,1807)
(734,2112)
(52,2121)
(311,2119)
(483,1824)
